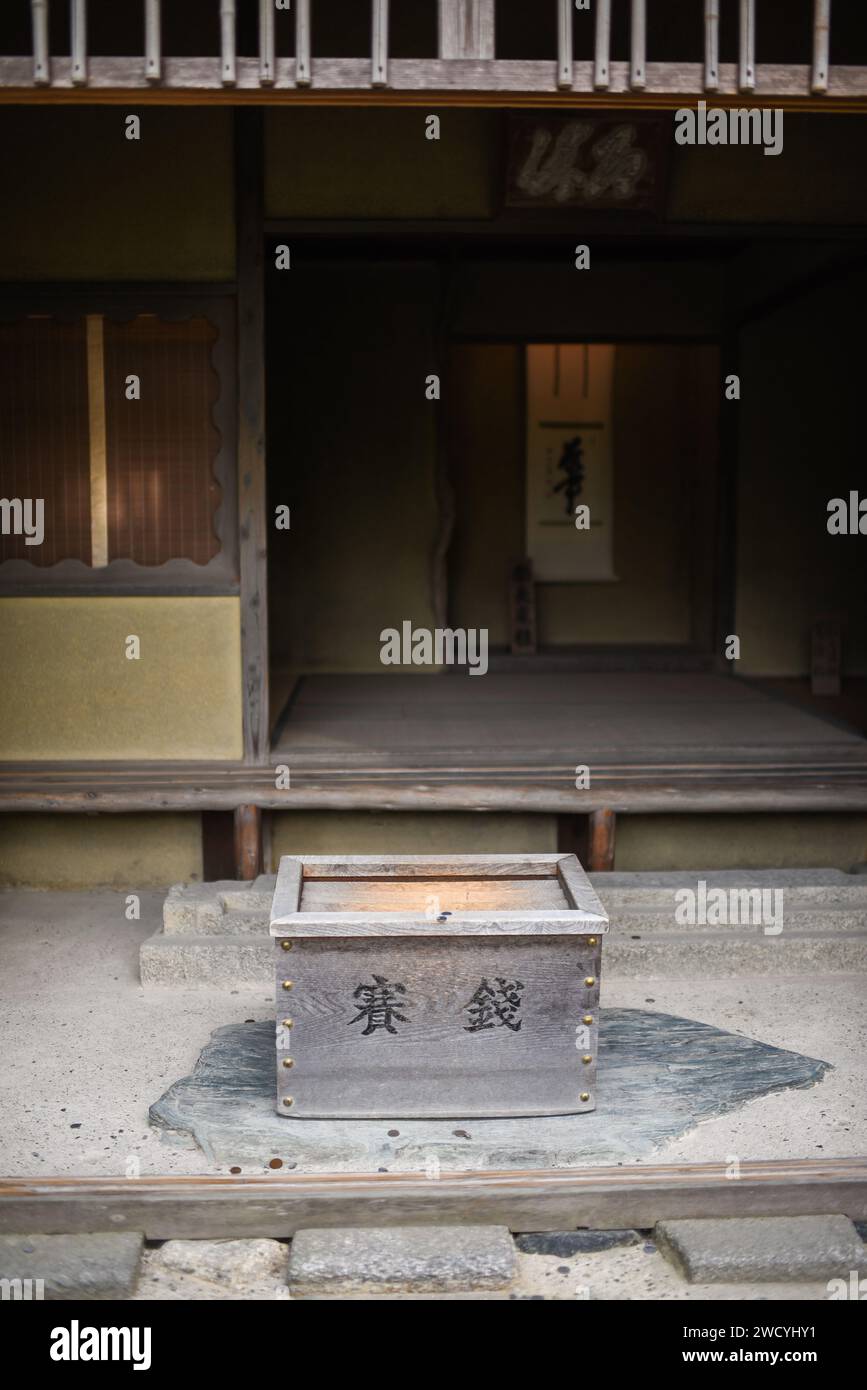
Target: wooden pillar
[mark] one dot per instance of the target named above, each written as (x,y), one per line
(248,842)
(78,36)
(638,45)
(821,45)
(41,58)
(564,43)
(379,44)
(600,857)
(602,44)
(228,58)
(711,45)
(747,46)
(252,501)
(466,28)
(153,41)
(302,43)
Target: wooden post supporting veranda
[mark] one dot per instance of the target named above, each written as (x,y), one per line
(600,841)
(252,503)
(248,842)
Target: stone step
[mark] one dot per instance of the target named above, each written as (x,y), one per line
(217,933)
(681,954)
(813,900)
(206,960)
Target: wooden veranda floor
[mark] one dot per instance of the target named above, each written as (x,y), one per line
(651,741)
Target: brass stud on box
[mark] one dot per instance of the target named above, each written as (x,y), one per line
(591,940)
(590,980)
(588,1018)
(287,984)
(586,1058)
(585,1095)
(287,945)
(287,1022)
(288,1100)
(288,1062)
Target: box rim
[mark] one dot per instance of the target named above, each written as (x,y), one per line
(584,916)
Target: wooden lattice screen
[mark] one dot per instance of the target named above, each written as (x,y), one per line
(120,477)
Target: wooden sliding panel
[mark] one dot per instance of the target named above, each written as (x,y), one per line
(821,44)
(228,61)
(747,46)
(153,44)
(302,43)
(267,48)
(638,45)
(44,433)
(602,56)
(564,43)
(379,44)
(711,45)
(466,29)
(41,59)
(78,38)
(252,515)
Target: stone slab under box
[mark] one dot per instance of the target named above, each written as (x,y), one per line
(424,987)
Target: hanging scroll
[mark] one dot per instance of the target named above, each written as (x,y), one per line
(570,479)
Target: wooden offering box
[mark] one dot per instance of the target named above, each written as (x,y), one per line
(433,987)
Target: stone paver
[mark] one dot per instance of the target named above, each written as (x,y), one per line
(401,1260)
(798,1248)
(75,1267)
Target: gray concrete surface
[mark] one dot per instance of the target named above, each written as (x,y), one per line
(401,1260)
(75,1266)
(70,985)
(761,1249)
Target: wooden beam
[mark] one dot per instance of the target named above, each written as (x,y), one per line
(564,43)
(228,55)
(108,788)
(267,45)
(600,854)
(415,81)
(78,41)
(97,441)
(302,43)
(252,501)
(638,41)
(711,45)
(599,1198)
(466,29)
(602,53)
(153,41)
(747,46)
(821,45)
(248,842)
(379,44)
(41,53)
